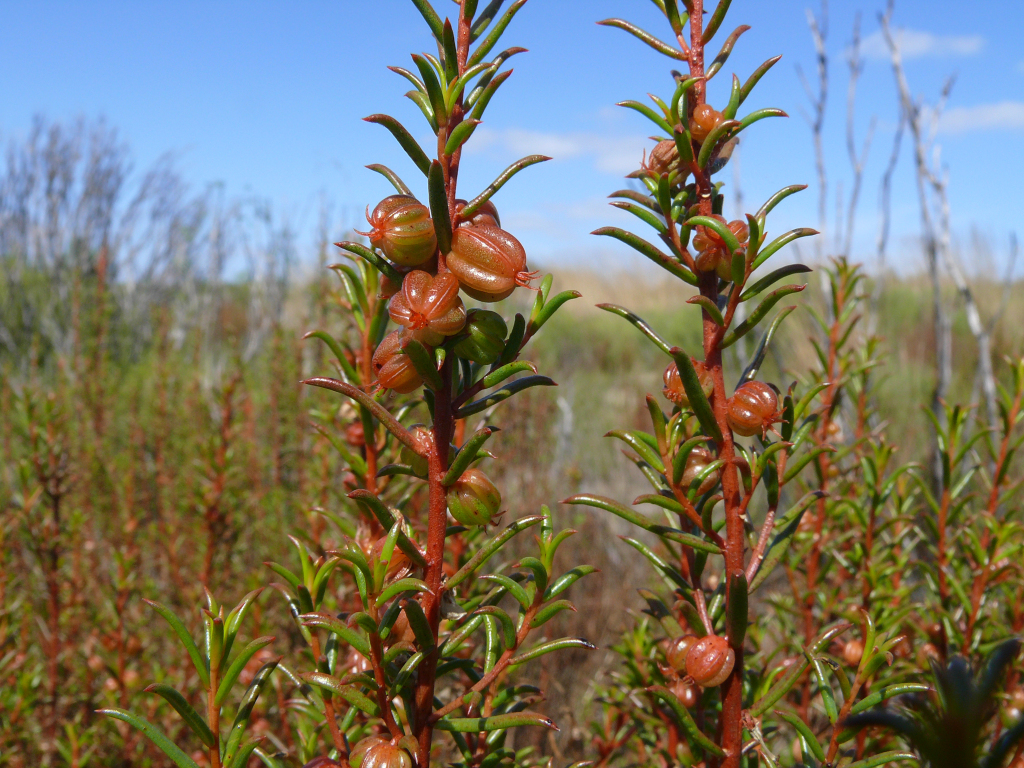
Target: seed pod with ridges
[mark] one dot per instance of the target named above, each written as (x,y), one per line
(752,409)
(393,368)
(676,652)
(696,462)
(710,661)
(403,229)
(322,762)
(485,214)
(473,499)
(704,119)
(488,261)
(487,331)
(674,390)
(375,752)
(429,303)
(386,288)
(664,158)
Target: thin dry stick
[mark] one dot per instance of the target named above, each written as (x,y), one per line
(857,161)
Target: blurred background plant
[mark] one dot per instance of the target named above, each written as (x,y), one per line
(155,441)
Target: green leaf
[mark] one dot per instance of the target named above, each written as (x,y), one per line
(645,451)
(760,114)
(423,362)
(651,40)
(495,377)
(487,550)
(379,411)
(513,343)
(755,76)
(237,665)
(186,640)
(610,505)
(430,16)
(192,719)
(715,21)
(387,519)
(503,394)
(494,35)
(779,243)
(567,579)
(881,759)
(508,627)
(719,228)
(707,148)
(658,120)
(787,527)
(644,248)
(480,104)
(420,625)
(400,586)
(439,212)
(511,586)
(166,746)
(772,278)
(806,735)
(338,627)
(405,139)
(474,205)
(708,306)
(394,178)
(467,455)
(640,324)
(241,721)
(347,692)
(459,136)
(549,647)
(241,758)
(493,723)
(736,609)
(435,93)
(682,716)
(755,317)
(777,198)
(695,394)
(381,264)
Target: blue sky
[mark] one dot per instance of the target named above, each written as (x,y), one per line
(266,97)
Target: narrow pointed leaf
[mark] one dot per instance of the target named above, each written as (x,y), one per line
(640,324)
(755,317)
(645,248)
(192,719)
(237,665)
(755,76)
(493,723)
(185,637)
(405,139)
(379,411)
(488,549)
(474,205)
(503,394)
(695,393)
(165,745)
(647,37)
(430,16)
(554,645)
(467,454)
(683,717)
(485,45)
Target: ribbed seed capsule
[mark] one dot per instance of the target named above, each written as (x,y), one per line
(473,499)
(674,390)
(752,409)
(713,255)
(487,331)
(696,463)
(394,369)
(664,158)
(375,752)
(488,261)
(686,693)
(852,652)
(676,652)
(429,303)
(485,214)
(710,661)
(402,228)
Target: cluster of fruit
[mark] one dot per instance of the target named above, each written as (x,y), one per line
(484,261)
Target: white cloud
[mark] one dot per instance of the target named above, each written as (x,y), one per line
(1003,115)
(917,44)
(610,154)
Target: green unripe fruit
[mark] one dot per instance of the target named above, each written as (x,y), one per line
(473,499)
(487,331)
